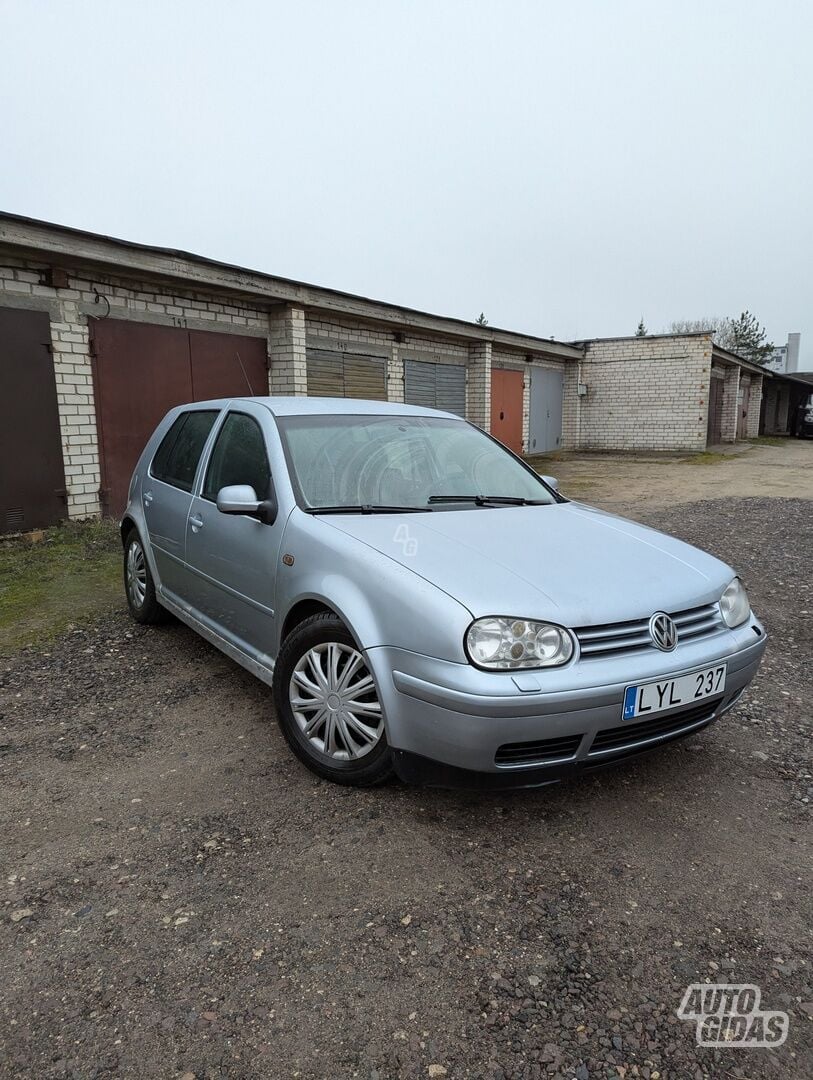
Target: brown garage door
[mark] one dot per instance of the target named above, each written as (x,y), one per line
(32,477)
(714,434)
(340,374)
(141,371)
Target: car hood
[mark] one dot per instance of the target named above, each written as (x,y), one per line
(565,562)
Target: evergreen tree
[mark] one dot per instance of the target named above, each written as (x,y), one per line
(748,339)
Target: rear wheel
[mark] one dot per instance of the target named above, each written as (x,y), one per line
(138,583)
(328,706)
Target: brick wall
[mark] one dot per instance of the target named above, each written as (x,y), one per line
(754,406)
(287,370)
(478,385)
(645,394)
(731,391)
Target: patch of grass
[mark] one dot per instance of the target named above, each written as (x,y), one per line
(770,440)
(706,457)
(68,577)
(539,461)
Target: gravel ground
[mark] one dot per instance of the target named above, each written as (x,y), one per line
(180,898)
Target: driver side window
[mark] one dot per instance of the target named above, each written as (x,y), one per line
(238,457)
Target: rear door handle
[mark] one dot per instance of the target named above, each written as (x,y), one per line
(147,498)
(196,521)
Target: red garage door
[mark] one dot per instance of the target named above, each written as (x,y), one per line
(32,479)
(141,371)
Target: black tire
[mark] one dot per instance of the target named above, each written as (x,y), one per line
(141,599)
(375,766)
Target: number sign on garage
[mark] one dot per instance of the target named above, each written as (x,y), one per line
(437,386)
(141,371)
(343,374)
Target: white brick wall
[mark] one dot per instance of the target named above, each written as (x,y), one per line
(478,385)
(731,397)
(754,405)
(645,394)
(287,369)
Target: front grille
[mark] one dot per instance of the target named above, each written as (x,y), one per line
(541,752)
(660,727)
(597,642)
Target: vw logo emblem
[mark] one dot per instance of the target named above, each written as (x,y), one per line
(663,631)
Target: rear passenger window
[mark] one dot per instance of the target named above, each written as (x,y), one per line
(176,460)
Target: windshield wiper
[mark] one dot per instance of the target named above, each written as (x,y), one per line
(368,508)
(489,500)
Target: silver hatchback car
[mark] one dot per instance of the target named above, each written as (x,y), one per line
(420,600)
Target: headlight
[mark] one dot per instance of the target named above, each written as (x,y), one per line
(497,642)
(734,604)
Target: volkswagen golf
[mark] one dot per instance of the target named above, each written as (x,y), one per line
(420,601)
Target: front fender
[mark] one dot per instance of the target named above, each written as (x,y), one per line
(380,601)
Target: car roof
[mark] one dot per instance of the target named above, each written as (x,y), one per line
(327,406)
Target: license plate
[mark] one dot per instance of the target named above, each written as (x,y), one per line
(656,697)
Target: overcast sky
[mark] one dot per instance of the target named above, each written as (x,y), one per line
(564,167)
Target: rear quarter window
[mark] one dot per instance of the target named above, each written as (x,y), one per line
(176,460)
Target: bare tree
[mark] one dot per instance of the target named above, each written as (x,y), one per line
(743,335)
(720,327)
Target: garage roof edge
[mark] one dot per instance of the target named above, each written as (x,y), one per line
(47,239)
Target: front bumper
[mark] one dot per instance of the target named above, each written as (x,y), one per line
(449,724)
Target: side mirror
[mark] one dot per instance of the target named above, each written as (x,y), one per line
(242,499)
(552,482)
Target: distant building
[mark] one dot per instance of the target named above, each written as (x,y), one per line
(785,359)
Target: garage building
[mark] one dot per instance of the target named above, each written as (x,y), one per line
(664,392)
(99,337)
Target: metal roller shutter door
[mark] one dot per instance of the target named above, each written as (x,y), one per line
(338,374)
(436,386)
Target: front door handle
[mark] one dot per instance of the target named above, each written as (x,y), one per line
(196,521)
(147,498)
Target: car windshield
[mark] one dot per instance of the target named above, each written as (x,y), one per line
(387,462)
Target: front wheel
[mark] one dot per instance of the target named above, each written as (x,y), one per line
(328,706)
(138,583)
